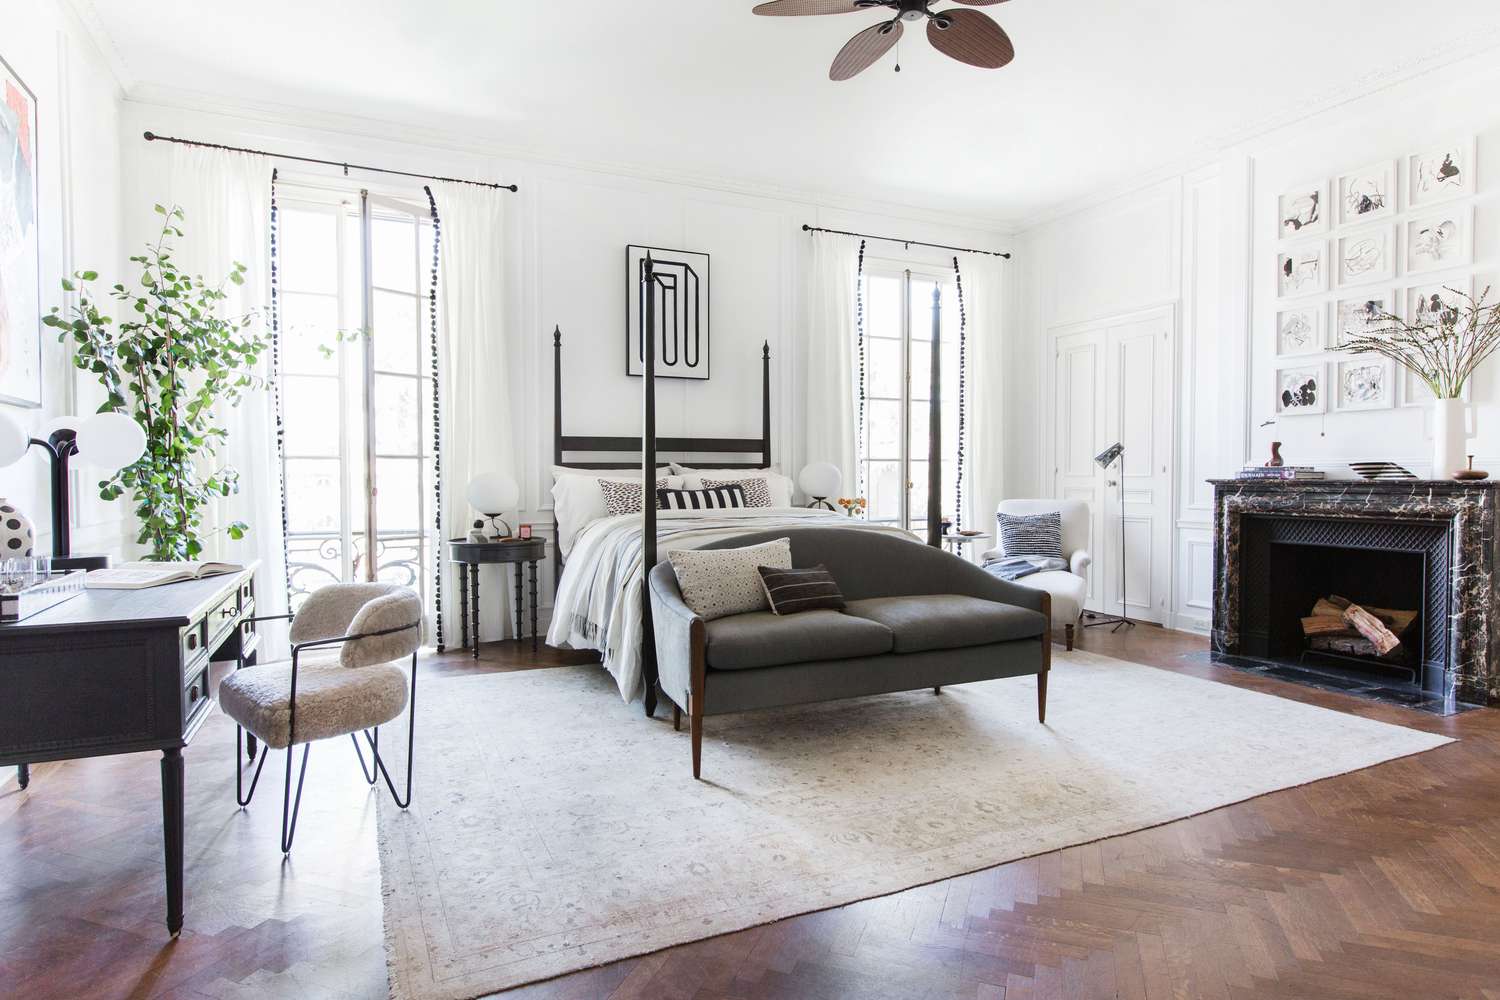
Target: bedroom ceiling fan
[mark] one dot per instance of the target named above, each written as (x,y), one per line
(966,35)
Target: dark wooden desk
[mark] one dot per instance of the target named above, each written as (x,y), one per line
(121,671)
(469,556)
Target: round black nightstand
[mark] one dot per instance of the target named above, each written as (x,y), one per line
(469,556)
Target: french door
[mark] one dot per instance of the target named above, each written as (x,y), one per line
(356,384)
(893,448)
(1113,384)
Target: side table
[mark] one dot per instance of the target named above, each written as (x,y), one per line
(955,543)
(469,556)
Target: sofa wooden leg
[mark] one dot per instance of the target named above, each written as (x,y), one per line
(1046,666)
(937,690)
(1068,633)
(1041,697)
(676,719)
(696,724)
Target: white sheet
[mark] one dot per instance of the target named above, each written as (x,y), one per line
(598,604)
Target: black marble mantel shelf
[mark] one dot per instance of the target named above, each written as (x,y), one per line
(1466,512)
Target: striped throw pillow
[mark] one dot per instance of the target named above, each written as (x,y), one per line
(1031,534)
(757,493)
(792,590)
(623,496)
(715,499)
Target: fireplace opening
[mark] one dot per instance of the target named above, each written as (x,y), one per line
(1312,589)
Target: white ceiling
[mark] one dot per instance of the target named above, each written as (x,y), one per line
(1100,91)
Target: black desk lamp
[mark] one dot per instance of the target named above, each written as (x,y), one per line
(1106,458)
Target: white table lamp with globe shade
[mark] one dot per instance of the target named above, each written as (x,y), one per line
(110,441)
(492,494)
(820,480)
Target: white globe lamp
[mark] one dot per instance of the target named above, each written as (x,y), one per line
(111,441)
(492,494)
(820,480)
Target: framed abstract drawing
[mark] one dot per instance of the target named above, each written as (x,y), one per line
(20,245)
(1366,255)
(1299,330)
(1364,383)
(1302,269)
(1360,315)
(1303,211)
(1368,194)
(681,293)
(1439,173)
(1441,240)
(1439,300)
(1300,389)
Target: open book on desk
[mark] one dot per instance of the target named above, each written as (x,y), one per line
(141,575)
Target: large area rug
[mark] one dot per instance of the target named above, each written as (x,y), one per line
(553,828)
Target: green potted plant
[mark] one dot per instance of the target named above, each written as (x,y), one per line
(171,366)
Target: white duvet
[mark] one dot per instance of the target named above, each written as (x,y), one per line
(598,604)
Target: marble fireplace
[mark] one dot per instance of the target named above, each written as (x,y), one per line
(1416,544)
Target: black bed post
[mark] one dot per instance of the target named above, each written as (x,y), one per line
(648,483)
(765,405)
(557,448)
(935,426)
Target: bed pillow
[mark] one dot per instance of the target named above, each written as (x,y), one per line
(578,500)
(778,487)
(756,492)
(720,582)
(789,591)
(622,496)
(1031,534)
(713,498)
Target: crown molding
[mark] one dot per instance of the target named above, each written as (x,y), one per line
(86,20)
(1449,56)
(468,142)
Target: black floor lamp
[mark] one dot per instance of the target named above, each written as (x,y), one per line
(1106,458)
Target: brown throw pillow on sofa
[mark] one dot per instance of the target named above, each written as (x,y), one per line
(792,590)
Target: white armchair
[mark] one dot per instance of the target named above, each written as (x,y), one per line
(1068,587)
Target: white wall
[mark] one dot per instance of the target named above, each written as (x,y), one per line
(568,231)
(79,188)
(1205,242)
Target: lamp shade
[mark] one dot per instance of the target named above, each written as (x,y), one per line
(13,441)
(820,479)
(1108,455)
(493,492)
(110,440)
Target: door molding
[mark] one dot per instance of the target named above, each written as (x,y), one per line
(1168,313)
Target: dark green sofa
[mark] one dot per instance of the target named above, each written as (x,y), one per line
(918,617)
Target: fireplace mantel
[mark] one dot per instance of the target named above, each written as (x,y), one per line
(1466,510)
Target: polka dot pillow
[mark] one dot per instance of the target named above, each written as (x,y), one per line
(720,582)
(623,496)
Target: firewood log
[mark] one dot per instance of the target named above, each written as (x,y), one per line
(1371,628)
(1326,625)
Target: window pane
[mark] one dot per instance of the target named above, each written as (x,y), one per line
(883,368)
(401,559)
(393,247)
(312,495)
(883,430)
(396,332)
(883,491)
(307,248)
(309,325)
(398,491)
(918,501)
(396,415)
(310,409)
(921,370)
(883,306)
(921,310)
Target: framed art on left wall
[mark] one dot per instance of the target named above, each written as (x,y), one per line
(20,246)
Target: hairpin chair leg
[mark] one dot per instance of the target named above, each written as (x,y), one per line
(411,735)
(372,775)
(287,802)
(241,797)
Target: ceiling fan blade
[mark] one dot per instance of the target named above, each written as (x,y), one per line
(863,49)
(979,3)
(799,8)
(970,37)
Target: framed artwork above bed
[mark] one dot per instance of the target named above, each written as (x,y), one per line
(682,313)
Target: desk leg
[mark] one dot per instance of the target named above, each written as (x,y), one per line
(23,774)
(520,603)
(172,833)
(474,605)
(463,605)
(533,605)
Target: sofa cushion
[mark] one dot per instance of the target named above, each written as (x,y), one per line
(763,639)
(948,621)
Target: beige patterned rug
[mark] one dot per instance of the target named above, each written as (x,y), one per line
(553,828)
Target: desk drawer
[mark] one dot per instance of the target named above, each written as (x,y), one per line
(195,698)
(194,641)
(222,617)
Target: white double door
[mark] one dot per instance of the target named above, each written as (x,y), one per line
(1114,384)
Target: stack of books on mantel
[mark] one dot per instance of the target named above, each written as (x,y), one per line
(1280,472)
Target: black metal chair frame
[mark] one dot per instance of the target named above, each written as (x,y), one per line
(290,806)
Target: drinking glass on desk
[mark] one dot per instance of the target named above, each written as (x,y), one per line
(13,575)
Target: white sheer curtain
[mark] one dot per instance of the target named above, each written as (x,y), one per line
(985,285)
(478,427)
(831,407)
(226,202)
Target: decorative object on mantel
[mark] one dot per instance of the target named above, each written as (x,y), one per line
(820,480)
(492,494)
(1380,470)
(1274,472)
(1275,461)
(683,297)
(1470,473)
(1450,333)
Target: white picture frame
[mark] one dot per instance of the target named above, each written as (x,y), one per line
(1414,391)
(1366,255)
(1363,382)
(1302,269)
(1441,173)
(1440,240)
(1367,194)
(1299,329)
(1416,296)
(1355,314)
(1303,210)
(1301,389)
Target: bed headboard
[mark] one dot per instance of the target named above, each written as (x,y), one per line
(628,448)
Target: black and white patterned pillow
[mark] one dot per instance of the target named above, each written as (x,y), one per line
(792,590)
(719,498)
(719,582)
(757,494)
(1031,534)
(623,496)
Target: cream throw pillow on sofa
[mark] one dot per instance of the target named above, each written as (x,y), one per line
(720,582)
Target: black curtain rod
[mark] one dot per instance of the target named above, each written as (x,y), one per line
(153,137)
(911,243)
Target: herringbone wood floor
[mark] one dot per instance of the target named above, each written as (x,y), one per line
(1382,883)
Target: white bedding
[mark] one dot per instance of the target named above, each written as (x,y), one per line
(598,604)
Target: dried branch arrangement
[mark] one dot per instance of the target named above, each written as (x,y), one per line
(1442,346)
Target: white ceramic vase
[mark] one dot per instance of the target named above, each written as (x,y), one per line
(1449,437)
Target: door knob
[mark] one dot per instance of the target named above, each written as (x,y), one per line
(1111,482)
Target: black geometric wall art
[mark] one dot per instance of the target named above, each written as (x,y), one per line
(680,286)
